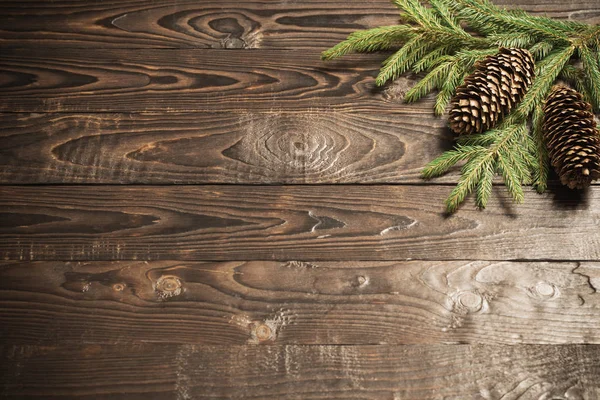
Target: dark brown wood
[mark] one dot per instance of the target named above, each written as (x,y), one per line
(291,222)
(216,24)
(301,372)
(169,80)
(262,302)
(310,293)
(252,147)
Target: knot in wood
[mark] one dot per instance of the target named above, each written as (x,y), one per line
(298,148)
(543,291)
(361,281)
(168,286)
(234,43)
(263,332)
(470,302)
(119,287)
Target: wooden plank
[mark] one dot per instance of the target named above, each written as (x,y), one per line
(246,148)
(291,222)
(301,372)
(216,24)
(112,80)
(224,303)
(234,148)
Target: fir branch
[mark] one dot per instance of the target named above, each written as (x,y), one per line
(541,49)
(511,178)
(432,59)
(434,80)
(422,15)
(486,184)
(381,38)
(542,166)
(506,136)
(471,174)
(490,19)
(447,160)
(592,74)
(518,159)
(447,17)
(454,79)
(402,60)
(485,139)
(512,39)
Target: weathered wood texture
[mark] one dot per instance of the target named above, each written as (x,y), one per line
(301,372)
(216,24)
(168,80)
(291,222)
(49,303)
(250,148)
(233,148)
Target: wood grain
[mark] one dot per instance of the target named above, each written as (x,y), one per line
(291,222)
(216,24)
(169,80)
(246,148)
(262,302)
(301,372)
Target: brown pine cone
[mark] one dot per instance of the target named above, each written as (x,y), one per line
(493,90)
(572,137)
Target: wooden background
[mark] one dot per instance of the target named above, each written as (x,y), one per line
(194,206)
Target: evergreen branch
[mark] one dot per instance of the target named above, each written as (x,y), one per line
(474,168)
(486,184)
(455,77)
(513,39)
(485,139)
(511,180)
(489,19)
(402,60)
(434,80)
(447,160)
(382,38)
(447,17)
(542,167)
(433,59)
(541,49)
(592,74)
(517,159)
(424,16)
(471,174)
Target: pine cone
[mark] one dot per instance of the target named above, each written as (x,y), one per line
(572,137)
(497,85)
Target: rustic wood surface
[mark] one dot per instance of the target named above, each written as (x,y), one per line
(264,302)
(337,222)
(194,206)
(179,372)
(168,80)
(229,24)
(241,147)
